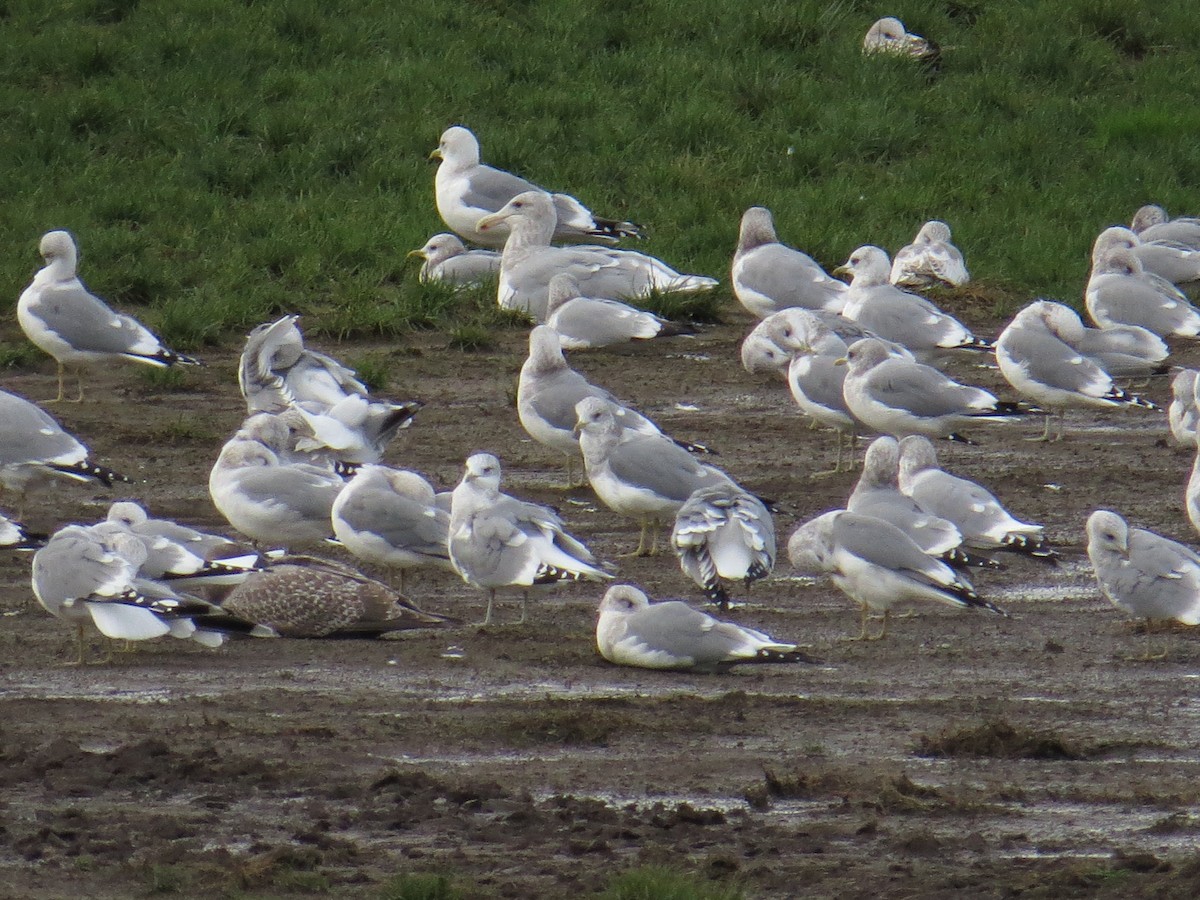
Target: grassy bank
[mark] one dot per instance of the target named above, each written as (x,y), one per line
(222,162)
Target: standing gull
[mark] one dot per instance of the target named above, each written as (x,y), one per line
(1151,223)
(929,259)
(769,276)
(466,190)
(76,327)
(1121,292)
(632,631)
(528,262)
(723,533)
(498,541)
(585,323)
(447,260)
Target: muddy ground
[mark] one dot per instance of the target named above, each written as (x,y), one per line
(967,755)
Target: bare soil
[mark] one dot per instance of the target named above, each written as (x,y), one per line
(966,755)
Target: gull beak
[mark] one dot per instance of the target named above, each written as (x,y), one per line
(843,269)
(841,361)
(436,153)
(411,253)
(578,428)
(490,221)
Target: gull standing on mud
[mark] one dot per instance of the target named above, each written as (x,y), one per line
(877,565)
(528,262)
(585,323)
(447,260)
(465,190)
(632,631)
(76,327)
(723,533)
(498,541)
(929,259)
(769,276)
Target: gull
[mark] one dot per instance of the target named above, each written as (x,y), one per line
(1148,576)
(35,449)
(1191,495)
(772,343)
(528,262)
(930,258)
(897,315)
(769,276)
(644,477)
(1182,414)
(277,370)
(270,501)
(1151,223)
(877,565)
(1121,292)
(887,36)
(900,397)
(465,190)
(724,533)
(1038,356)
(1177,263)
(980,518)
(498,541)
(585,323)
(632,631)
(390,517)
(15,536)
(305,597)
(76,327)
(447,260)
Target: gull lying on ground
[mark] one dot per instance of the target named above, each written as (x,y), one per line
(929,259)
(769,276)
(1175,262)
(897,315)
(723,533)
(177,554)
(1148,576)
(528,262)
(76,327)
(877,565)
(447,260)
(1182,414)
(888,36)
(498,541)
(14,536)
(632,631)
(466,190)
(1151,223)
(1121,292)
(1038,355)
(585,323)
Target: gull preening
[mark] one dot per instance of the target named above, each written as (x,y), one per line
(929,259)
(466,190)
(76,327)
(769,276)
(723,533)
(447,260)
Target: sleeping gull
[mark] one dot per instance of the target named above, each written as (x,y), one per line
(1121,292)
(390,517)
(34,449)
(304,597)
(772,343)
(466,190)
(14,536)
(769,276)
(1177,263)
(1037,357)
(528,262)
(1151,223)
(898,315)
(722,533)
(1182,414)
(983,522)
(888,36)
(498,541)
(447,260)
(644,477)
(900,397)
(584,323)
(1148,576)
(76,327)
(929,259)
(212,558)
(877,565)
(632,631)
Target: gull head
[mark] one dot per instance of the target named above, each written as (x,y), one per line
(531,205)
(1108,533)
(439,248)
(868,265)
(933,230)
(483,470)
(757,229)
(865,354)
(126,513)
(1147,216)
(56,245)
(594,415)
(623,598)
(457,147)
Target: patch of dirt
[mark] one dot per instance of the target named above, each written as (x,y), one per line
(966,755)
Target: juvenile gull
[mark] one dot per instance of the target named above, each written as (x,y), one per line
(447,260)
(1148,576)
(304,597)
(930,258)
(1177,263)
(465,190)
(900,397)
(498,541)
(390,517)
(1182,414)
(35,449)
(769,276)
(897,315)
(980,518)
(1121,292)
(1037,353)
(76,327)
(584,323)
(632,631)
(528,262)
(888,36)
(1152,224)
(723,533)
(877,565)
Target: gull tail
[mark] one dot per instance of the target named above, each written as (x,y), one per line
(959,558)
(84,469)
(692,447)
(778,655)
(1118,395)
(165,357)
(614,230)
(975,343)
(1033,547)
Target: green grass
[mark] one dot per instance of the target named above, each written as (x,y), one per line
(421,886)
(224,163)
(656,883)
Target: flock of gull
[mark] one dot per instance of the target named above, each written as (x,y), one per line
(862,357)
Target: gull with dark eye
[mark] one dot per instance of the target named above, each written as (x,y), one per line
(448,261)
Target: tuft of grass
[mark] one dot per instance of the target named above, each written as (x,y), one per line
(659,883)
(164,879)
(20,355)
(420,886)
(167,380)
(373,369)
(1000,740)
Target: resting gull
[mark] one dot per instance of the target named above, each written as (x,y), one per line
(76,327)
(1177,263)
(723,533)
(585,323)
(1121,292)
(447,260)
(771,344)
(15,536)
(929,259)
(769,276)
(1151,223)
(888,36)
(1182,414)
(632,631)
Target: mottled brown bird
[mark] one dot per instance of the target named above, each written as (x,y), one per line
(305,597)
